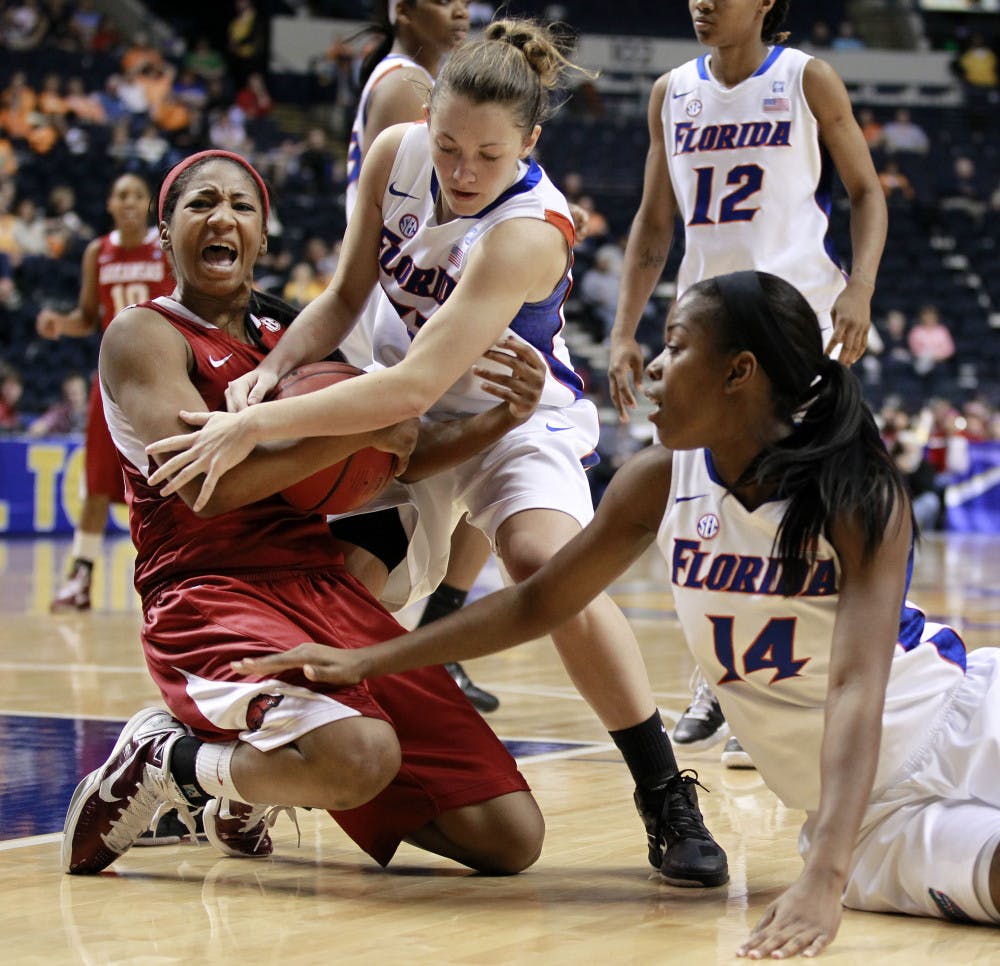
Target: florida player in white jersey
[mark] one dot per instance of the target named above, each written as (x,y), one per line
(472,242)
(786,530)
(745,141)
(118,269)
(417,35)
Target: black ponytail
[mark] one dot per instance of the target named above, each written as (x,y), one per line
(264,305)
(833,462)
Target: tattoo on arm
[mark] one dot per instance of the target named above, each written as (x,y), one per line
(650,258)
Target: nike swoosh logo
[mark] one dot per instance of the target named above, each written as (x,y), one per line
(219,362)
(684,94)
(684,499)
(105,787)
(393,190)
(557,429)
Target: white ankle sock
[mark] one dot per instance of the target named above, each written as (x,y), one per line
(213,769)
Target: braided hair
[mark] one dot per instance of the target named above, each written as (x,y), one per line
(770,31)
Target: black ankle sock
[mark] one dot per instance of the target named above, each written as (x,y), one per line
(444,601)
(81,562)
(182,757)
(647,751)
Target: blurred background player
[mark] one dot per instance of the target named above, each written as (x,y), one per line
(119,269)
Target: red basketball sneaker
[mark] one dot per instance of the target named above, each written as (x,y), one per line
(115,804)
(241,830)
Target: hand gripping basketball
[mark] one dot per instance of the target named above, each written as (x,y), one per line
(352,482)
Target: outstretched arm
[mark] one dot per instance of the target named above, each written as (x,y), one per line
(624,526)
(805,918)
(645,255)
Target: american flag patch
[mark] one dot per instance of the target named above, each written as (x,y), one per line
(777,104)
(455,256)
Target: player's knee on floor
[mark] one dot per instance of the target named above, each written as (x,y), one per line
(353,769)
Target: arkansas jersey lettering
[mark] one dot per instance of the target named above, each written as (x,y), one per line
(736,573)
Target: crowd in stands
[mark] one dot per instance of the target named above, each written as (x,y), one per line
(80,102)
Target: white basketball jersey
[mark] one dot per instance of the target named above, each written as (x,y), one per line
(751,177)
(359,142)
(766,655)
(421,262)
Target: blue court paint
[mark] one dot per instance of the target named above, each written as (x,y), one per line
(44,758)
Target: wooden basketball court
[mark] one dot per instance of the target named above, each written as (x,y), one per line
(69,682)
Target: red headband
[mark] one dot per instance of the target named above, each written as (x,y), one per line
(175,172)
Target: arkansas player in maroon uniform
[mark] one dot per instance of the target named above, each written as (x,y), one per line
(122,268)
(249,575)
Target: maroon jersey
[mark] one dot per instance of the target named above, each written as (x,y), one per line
(128,276)
(171,542)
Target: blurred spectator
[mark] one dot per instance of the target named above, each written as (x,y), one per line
(932,346)
(599,290)
(8,241)
(24,25)
(246,42)
(316,161)
(819,34)
(17,104)
(67,230)
(140,54)
(8,158)
(11,390)
(87,108)
(961,189)
(69,415)
(302,285)
(132,93)
(29,228)
(151,147)
(112,103)
(205,61)
(977,65)
(897,359)
(846,38)
(191,89)
(9,297)
(85,20)
(50,99)
(895,183)
(253,99)
(106,38)
(903,134)
(871,129)
(227,131)
(926,496)
(322,257)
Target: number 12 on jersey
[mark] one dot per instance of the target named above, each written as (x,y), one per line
(740,183)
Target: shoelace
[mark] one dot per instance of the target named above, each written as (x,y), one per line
(266,816)
(703,703)
(684,819)
(128,827)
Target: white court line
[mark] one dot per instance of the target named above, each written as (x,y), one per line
(30,841)
(73,668)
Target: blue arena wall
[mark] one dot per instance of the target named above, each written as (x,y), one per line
(41,489)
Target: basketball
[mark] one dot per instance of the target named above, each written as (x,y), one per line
(346,485)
